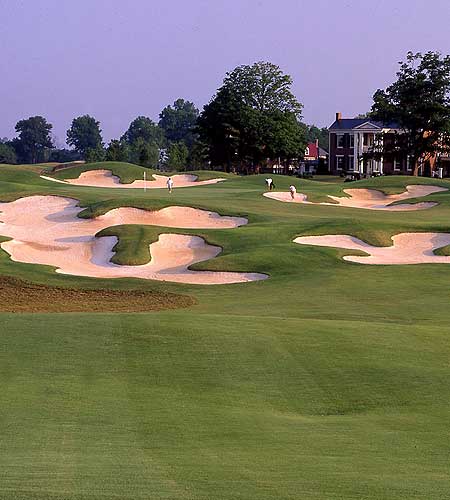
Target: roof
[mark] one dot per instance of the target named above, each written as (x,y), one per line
(352,123)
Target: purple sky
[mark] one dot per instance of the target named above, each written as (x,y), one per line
(118,59)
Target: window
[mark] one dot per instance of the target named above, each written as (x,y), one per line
(397,164)
(352,140)
(339,163)
(340,140)
(408,164)
(350,163)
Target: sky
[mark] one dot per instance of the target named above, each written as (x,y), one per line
(116,59)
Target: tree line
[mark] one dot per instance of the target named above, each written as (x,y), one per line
(253,118)
(252,121)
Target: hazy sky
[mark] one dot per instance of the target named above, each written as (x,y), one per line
(118,59)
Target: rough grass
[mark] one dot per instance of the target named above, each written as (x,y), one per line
(20,296)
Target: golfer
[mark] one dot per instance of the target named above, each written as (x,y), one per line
(170,184)
(269,183)
(293,191)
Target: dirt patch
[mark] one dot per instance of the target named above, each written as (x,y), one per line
(19,296)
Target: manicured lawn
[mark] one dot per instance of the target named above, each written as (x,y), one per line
(330,380)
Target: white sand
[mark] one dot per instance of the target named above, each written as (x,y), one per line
(105,178)
(370,199)
(407,248)
(46,230)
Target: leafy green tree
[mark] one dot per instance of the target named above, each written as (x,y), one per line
(85,136)
(177,156)
(117,151)
(179,121)
(253,116)
(312,133)
(93,155)
(34,139)
(144,153)
(418,102)
(144,128)
(7,154)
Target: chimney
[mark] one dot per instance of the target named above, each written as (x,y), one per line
(338,116)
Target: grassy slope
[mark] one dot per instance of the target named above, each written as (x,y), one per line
(328,381)
(127,172)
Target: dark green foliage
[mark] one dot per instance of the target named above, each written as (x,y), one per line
(85,136)
(94,154)
(253,116)
(177,156)
(64,155)
(145,129)
(418,102)
(178,121)
(312,133)
(34,140)
(144,153)
(117,150)
(7,153)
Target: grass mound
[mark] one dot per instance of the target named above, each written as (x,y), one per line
(20,296)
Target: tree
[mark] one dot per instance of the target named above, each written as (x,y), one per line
(144,128)
(179,121)
(418,103)
(7,153)
(253,116)
(177,155)
(117,151)
(312,133)
(85,136)
(34,139)
(144,153)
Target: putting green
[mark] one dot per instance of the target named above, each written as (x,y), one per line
(327,381)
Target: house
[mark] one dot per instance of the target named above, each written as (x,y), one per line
(357,148)
(315,159)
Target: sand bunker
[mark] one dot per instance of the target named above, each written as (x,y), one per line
(407,248)
(105,178)
(46,230)
(370,199)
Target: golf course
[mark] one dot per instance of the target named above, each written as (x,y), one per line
(291,373)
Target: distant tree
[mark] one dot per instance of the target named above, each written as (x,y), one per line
(85,135)
(253,116)
(144,128)
(7,153)
(62,155)
(117,151)
(144,153)
(419,103)
(177,156)
(312,133)
(93,155)
(179,121)
(34,139)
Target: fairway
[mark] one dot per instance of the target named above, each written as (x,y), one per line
(327,380)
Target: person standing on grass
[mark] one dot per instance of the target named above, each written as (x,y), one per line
(269,183)
(169,184)
(293,191)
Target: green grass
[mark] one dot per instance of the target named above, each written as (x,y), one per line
(329,380)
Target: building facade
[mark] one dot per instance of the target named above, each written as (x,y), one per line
(356,146)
